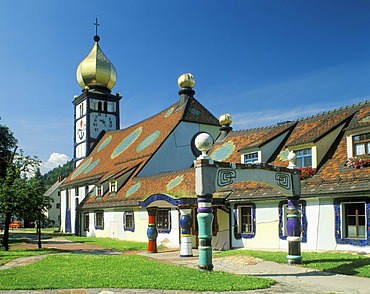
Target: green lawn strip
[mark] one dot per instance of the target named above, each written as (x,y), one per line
(63,271)
(335,262)
(110,243)
(6,256)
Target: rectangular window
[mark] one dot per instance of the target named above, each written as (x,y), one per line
(87,221)
(128,221)
(246,219)
(354,221)
(76,191)
(361,144)
(251,157)
(163,219)
(58,206)
(99,191)
(304,157)
(99,219)
(113,187)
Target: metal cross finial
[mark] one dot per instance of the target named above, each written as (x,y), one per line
(96,24)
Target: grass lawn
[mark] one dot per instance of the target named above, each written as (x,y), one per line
(335,262)
(110,243)
(61,271)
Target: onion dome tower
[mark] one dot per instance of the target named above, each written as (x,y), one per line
(96,109)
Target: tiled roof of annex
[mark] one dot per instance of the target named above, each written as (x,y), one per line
(334,176)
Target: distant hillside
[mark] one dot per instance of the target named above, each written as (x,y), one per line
(52,176)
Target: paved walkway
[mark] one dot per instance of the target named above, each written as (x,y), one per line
(291,279)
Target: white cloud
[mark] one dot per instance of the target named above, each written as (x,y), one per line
(55,160)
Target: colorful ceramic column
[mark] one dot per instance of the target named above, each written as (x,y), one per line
(294,232)
(205,218)
(293,225)
(185,224)
(152,232)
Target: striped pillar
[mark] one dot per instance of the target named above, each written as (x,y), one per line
(205,218)
(152,232)
(185,224)
(294,229)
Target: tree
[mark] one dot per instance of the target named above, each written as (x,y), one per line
(16,189)
(35,202)
(8,145)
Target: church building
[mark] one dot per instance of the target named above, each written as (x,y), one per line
(139,183)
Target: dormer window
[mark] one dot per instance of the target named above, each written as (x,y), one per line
(251,157)
(304,157)
(361,144)
(113,187)
(99,191)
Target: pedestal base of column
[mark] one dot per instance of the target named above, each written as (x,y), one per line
(185,247)
(205,258)
(294,253)
(152,246)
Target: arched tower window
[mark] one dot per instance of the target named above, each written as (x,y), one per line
(105,106)
(99,106)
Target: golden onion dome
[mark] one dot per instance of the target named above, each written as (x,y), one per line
(96,69)
(186,80)
(225,119)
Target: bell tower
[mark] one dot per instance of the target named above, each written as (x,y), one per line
(96,110)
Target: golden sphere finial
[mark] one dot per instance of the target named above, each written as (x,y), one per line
(186,80)
(225,119)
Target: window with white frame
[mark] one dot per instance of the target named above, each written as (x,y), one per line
(113,187)
(163,219)
(99,219)
(304,157)
(246,223)
(361,144)
(354,220)
(86,221)
(251,157)
(128,221)
(99,191)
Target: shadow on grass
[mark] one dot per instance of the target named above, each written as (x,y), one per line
(349,266)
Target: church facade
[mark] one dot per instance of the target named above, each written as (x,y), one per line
(138,183)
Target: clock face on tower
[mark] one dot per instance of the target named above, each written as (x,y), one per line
(100,122)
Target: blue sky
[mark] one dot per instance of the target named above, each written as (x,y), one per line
(261,61)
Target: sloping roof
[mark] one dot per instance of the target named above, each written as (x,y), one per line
(334,177)
(54,187)
(123,149)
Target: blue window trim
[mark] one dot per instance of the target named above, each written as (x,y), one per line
(338,222)
(236,222)
(129,229)
(304,157)
(166,231)
(303,220)
(96,226)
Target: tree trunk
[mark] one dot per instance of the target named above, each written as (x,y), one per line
(8,217)
(39,232)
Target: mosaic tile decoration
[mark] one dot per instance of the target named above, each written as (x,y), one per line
(91,166)
(149,140)
(81,168)
(169,112)
(125,143)
(338,222)
(104,143)
(156,197)
(303,220)
(223,152)
(133,189)
(175,182)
